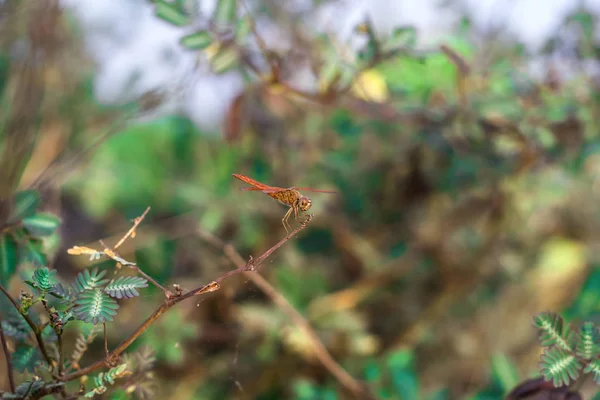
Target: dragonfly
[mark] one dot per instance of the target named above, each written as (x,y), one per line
(290,197)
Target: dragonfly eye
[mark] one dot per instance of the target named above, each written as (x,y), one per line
(305,203)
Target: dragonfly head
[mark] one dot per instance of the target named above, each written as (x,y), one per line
(304,203)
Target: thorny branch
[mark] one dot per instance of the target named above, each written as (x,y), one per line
(320,351)
(251,265)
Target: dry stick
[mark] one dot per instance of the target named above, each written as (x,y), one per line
(106,352)
(251,265)
(136,222)
(321,352)
(36,330)
(9,370)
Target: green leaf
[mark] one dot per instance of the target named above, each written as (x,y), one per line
(102,379)
(197,41)
(44,279)
(225,12)
(505,372)
(588,344)
(559,366)
(24,357)
(553,331)
(26,202)
(224,60)
(41,224)
(170,13)
(87,280)
(404,379)
(9,258)
(125,287)
(594,368)
(32,252)
(95,306)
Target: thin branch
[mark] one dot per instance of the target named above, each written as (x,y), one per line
(106,352)
(9,369)
(36,330)
(61,355)
(131,231)
(320,351)
(251,265)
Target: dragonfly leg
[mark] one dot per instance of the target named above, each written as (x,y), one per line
(285,220)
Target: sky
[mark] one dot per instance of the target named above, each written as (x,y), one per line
(135,52)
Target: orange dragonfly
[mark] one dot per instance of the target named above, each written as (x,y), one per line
(290,197)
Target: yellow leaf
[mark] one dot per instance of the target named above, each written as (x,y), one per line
(371,86)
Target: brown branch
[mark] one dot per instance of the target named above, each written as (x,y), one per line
(36,330)
(9,369)
(131,231)
(320,351)
(251,265)
(106,352)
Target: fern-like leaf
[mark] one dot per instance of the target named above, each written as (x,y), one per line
(95,306)
(87,280)
(65,293)
(593,367)
(25,357)
(43,279)
(553,331)
(82,342)
(14,331)
(125,287)
(102,379)
(588,344)
(559,366)
(27,388)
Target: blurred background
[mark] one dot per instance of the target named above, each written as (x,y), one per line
(461,137)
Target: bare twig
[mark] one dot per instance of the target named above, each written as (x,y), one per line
(131,231)
(250,265)
(321,352)
(61,355)
(36,330)
(106,352)
(9,369)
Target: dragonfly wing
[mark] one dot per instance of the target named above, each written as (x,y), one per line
(257,185)
(313,190)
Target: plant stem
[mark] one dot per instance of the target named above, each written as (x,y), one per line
(251,265)
(321,352)
(106,352)
(36,330)
(9,370)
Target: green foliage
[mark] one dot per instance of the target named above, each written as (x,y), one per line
(87,280)
(562,363)
(29,388)
(41,224)
(125,287)
(95,306)
(24,357)
(171,13)
(26,202)
(588,343)
(197,40)
(560,366)
(103,379)
(43,280)
(9,258)
(553,331)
